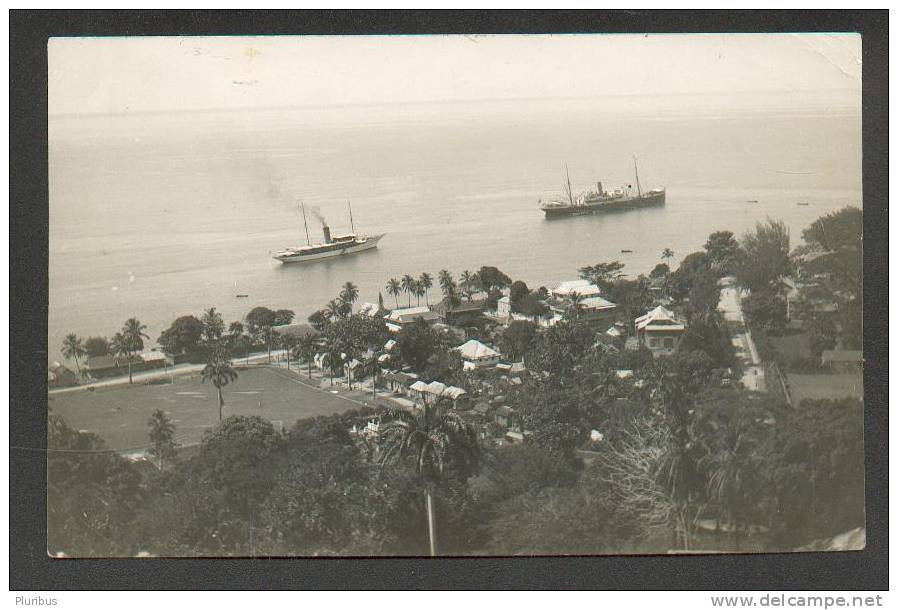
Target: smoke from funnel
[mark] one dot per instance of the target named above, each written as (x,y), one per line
(317,214)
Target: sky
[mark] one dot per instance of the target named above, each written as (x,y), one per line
(160,74)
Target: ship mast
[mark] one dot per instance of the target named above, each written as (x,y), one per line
(351,224)
(306,222)
(570,193)
(636,167)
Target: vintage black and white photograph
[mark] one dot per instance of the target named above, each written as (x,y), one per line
(455,295)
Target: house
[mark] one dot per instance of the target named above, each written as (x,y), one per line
(477,355)
(397,319)
(505,416)
(399,382)
(59,376)
(155,359)
(843,361)
(371,310)
(589,308)
(584,288)
(462,313)
(660,331)
(503,307)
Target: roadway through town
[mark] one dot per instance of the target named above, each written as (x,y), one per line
(730,306)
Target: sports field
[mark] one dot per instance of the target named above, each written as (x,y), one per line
(119,415)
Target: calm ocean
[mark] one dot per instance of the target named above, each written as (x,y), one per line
(157,216)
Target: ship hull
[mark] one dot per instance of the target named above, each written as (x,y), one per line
(369,244)
(604,207)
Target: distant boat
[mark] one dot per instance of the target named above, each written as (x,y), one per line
(802,203)
(626,252)
(242,296)
(752,201)
(337,245)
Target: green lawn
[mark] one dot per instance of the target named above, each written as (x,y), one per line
(119,415)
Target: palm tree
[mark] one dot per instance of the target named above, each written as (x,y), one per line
(213,325)
(349,294)
(466,280)
(419,291)
(132,336)
(394,288)
(73,347)
(162,435)
(434,438)
(409,286)
(370,368)
(335,309)
(576,305)
(667,254)
(305,349)
(288,342)
(426,283)
(220,372)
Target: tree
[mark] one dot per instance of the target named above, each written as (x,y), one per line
(765,310)
(419,291)
(73,348)
(660,270)
(691,267)
(723,251)
(320,320)
(162,435)
(259,322)
(349,294)
(409,286)
(130,341)
(667,254)
(416,343)
(305,349)
(425,283)
(491,278)
(602,275)
(764,256)
(439,443)
(394,288)
(283,317)
(531,305)
(516,339)
(213,325)
(518,291)
(93,494)
(96,346)
(183,336)
(468,283)
(219,372)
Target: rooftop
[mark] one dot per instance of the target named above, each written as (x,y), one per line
(660,318)
(582,287)
(475,350)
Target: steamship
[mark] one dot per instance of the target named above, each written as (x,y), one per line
(334,245)
(600,201)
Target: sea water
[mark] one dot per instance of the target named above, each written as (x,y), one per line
(156,216)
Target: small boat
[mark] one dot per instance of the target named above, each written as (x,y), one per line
(802,203)
(751,201)
(242,296)
(626,252)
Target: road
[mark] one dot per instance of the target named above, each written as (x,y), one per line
(730,306)
(172,371)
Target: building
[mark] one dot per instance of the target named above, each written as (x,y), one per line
(398,319)
(660,331)
(842,360)
(59,376)
(503,307)
(462,313)
(371,310)
(477,355)
(589,309)
(399,382)
(584,288)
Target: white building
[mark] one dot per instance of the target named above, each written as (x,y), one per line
(477,355)
(584,288)
(660,331)
(398,318)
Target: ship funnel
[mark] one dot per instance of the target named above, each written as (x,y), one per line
(599,189)
(327,234)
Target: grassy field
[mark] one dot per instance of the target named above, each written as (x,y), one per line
(825,386)
(119,415)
